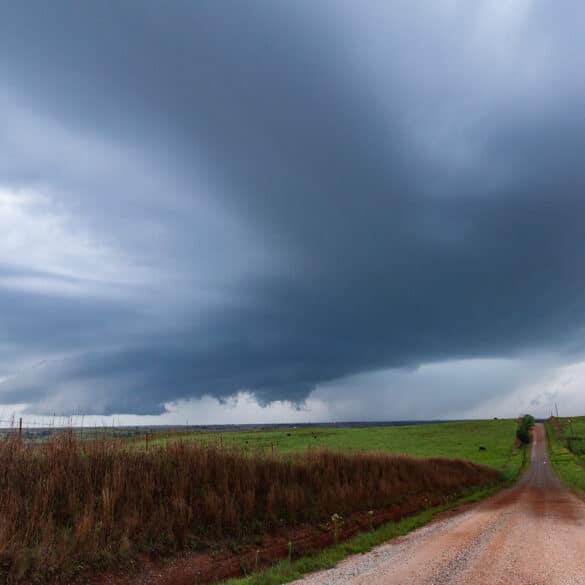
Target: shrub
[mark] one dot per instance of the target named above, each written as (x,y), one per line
(526,424)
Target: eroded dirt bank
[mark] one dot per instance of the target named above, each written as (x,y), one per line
(532,534)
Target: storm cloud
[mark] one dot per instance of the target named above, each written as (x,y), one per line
(208,198)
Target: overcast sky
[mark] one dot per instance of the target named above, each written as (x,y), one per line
(246,211)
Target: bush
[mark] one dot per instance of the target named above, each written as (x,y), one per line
(525,426)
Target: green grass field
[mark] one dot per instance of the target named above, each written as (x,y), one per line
(573,432)
(569,466)
(460,440)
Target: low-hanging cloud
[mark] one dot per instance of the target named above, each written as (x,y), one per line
(205,199)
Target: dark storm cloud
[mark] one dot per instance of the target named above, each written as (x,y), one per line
(307,191)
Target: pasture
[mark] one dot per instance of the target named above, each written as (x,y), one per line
(455,440)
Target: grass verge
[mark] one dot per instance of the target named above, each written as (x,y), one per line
(567,466)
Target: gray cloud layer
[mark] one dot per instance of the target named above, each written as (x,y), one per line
(212,197)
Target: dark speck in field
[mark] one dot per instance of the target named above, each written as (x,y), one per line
(482,448)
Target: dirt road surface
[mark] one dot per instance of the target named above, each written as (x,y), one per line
(531,534)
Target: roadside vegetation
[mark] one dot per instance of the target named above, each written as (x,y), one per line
(566,444)
(285,571)
(69,506)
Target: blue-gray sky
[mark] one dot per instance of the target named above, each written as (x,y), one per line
(378,204)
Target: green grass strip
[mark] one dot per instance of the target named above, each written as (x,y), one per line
(566,465)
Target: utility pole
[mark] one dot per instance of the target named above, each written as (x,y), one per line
(557,409)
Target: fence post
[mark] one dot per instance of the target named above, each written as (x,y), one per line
(20,429)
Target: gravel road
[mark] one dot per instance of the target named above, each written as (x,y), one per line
(531,534)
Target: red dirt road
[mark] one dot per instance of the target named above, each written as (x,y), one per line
(531,534)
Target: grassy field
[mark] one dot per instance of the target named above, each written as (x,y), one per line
(461,440)
(568,465)
(70,505)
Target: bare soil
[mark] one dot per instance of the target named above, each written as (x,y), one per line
(531,534)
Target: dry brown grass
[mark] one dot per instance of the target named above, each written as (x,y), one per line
(68,506)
